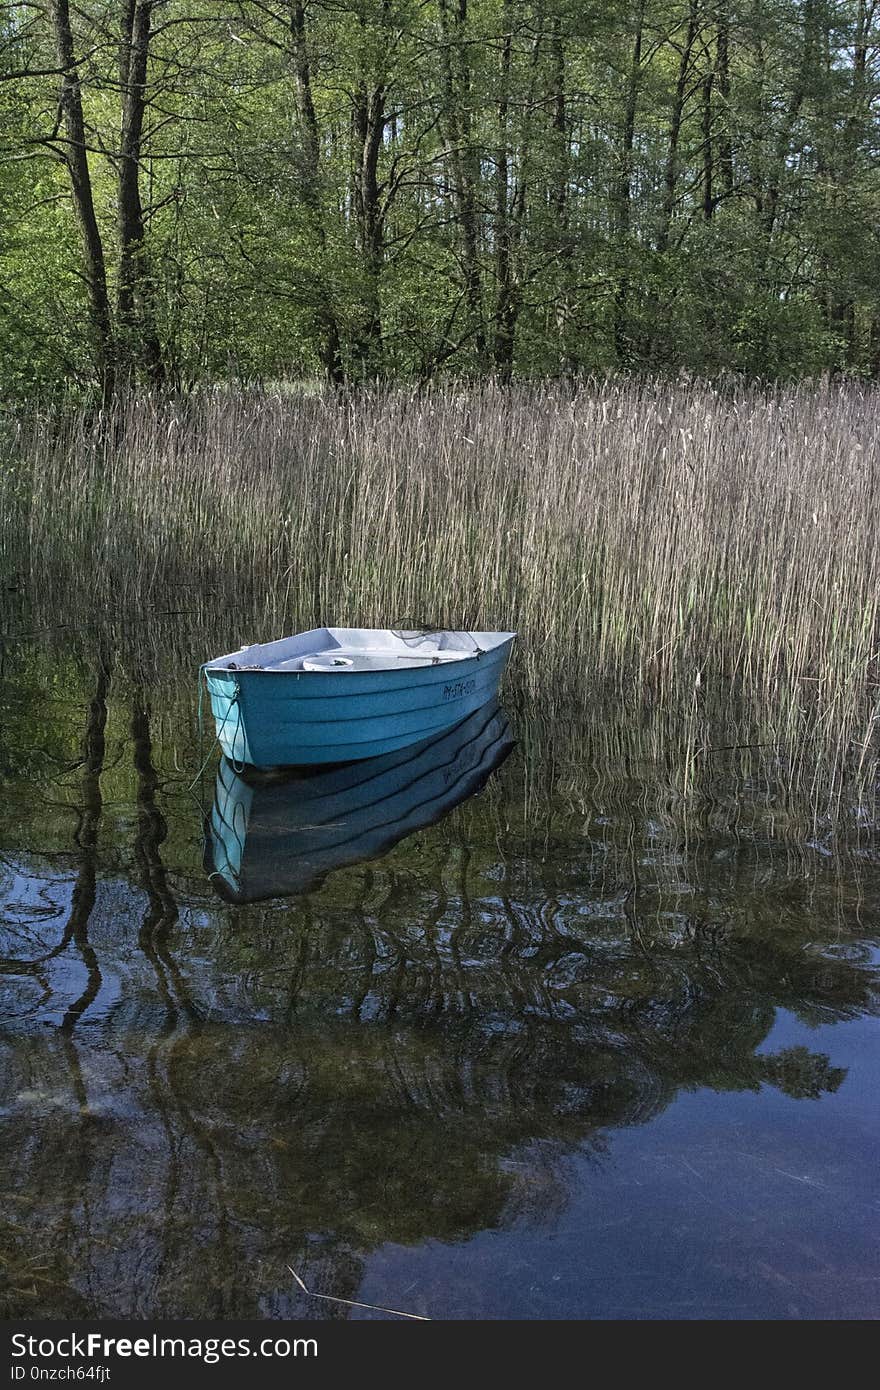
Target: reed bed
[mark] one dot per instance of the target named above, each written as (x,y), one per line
(667,544)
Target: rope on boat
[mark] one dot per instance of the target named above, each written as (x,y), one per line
(234,703)
(423,632)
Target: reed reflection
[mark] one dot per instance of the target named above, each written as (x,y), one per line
(411,1051)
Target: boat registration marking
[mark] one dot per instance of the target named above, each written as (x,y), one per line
(456,690)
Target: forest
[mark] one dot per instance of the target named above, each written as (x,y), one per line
(352,191)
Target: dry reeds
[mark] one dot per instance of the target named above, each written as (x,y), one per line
(668,542)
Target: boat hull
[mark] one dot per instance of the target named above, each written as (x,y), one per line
(301,718)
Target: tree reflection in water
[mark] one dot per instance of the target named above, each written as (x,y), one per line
(197,1094)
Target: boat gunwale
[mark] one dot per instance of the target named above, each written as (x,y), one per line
(211,668)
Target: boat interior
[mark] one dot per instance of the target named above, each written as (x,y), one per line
(340,649)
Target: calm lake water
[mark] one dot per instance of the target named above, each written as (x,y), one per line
(596,1043)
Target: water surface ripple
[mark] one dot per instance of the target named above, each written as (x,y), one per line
(551,1032)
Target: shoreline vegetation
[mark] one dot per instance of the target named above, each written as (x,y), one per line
(700,558)
(408,192)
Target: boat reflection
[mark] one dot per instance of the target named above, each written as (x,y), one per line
(278,838)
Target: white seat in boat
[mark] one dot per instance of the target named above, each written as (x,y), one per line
(340,660)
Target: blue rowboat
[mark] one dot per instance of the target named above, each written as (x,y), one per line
(338,694)
(275,838)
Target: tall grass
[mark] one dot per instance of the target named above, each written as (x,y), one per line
(667,544)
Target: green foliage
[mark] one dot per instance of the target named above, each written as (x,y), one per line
(544,188)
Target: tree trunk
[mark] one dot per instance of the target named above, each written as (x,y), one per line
(623,194)
(368,121)
(559,124)
(793,109)
(455,70)
(558,189)
(708,152)
(136,300)
(329,349)
(722,64)
(671,169)
(76,159)
(502,348)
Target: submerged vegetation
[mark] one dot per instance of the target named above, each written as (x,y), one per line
(675,552)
